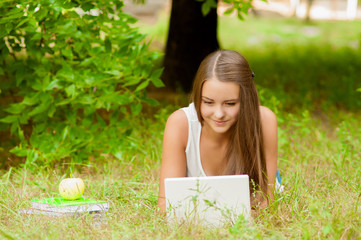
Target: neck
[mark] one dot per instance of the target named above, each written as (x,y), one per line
(219,139)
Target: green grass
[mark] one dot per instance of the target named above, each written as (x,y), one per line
(259,32)
(318,159)
(319,150)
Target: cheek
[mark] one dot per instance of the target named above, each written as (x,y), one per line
(234,113)
(205,111)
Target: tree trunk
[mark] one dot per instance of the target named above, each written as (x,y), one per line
(308,10)
(191,37)
(294,5)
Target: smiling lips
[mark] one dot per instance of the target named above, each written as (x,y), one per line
(220,122)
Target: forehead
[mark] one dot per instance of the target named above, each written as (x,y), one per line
(216,89)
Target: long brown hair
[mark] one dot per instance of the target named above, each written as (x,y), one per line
(245,153)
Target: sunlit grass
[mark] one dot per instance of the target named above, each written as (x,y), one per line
(258,32)
(318,159)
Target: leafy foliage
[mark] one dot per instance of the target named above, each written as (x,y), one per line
(79,73)
(241,7)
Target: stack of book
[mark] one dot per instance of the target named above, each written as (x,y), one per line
(58,206)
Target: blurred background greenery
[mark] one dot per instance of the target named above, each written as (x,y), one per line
(305,64)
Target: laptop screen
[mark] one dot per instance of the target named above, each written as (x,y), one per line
(213,200)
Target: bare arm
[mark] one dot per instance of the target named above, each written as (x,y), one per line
(174,162)
(269,128)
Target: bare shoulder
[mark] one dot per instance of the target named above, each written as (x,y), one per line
(177,127)
(267,116)
(178,119)
(178,116)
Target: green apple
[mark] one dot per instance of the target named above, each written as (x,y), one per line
(71,188)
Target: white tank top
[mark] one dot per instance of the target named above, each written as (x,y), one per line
(193,154)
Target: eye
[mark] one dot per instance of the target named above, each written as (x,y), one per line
(207,102)
(230,103)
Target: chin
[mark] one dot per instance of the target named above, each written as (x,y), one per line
(220,129)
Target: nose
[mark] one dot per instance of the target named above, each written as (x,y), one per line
(219,112)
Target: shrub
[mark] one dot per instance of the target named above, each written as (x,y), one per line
(78,72)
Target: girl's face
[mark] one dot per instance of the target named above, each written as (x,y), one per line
(219,105)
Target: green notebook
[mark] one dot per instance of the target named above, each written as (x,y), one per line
(59,204)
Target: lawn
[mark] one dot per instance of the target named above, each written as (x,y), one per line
(310,83)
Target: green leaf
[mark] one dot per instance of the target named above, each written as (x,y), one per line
(86,100)
(15,108)
(66,72)
(70,90)
(245,7)
(87,62)
(122,99)
(31,100)
(118,154)
(31,156)
(114,73)
(14,127)
(18,151)
(13,14)
(20,132)
(209,203)
(22,22)
(9,119)
(132,81)
(64,133)
(41,13)
(68,28)
(67,53)
(136,108)
(40,108)
(51,110)
(229,11)
(240,16)
(73,14)
(155,78)
(87,6)
(9,26)
(108,45)
(53,85)
(3,32)
(205,9)
(142,85)
(24,118)
(156,55)
(20,75)
(64,102)
(207,5)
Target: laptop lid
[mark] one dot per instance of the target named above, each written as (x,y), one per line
(213,200)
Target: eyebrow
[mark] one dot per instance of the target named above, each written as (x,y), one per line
(228,100)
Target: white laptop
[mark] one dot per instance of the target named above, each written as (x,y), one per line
(212,201)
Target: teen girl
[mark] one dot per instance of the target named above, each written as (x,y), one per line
(224,130)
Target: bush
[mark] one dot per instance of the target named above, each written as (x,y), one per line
(77,72)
